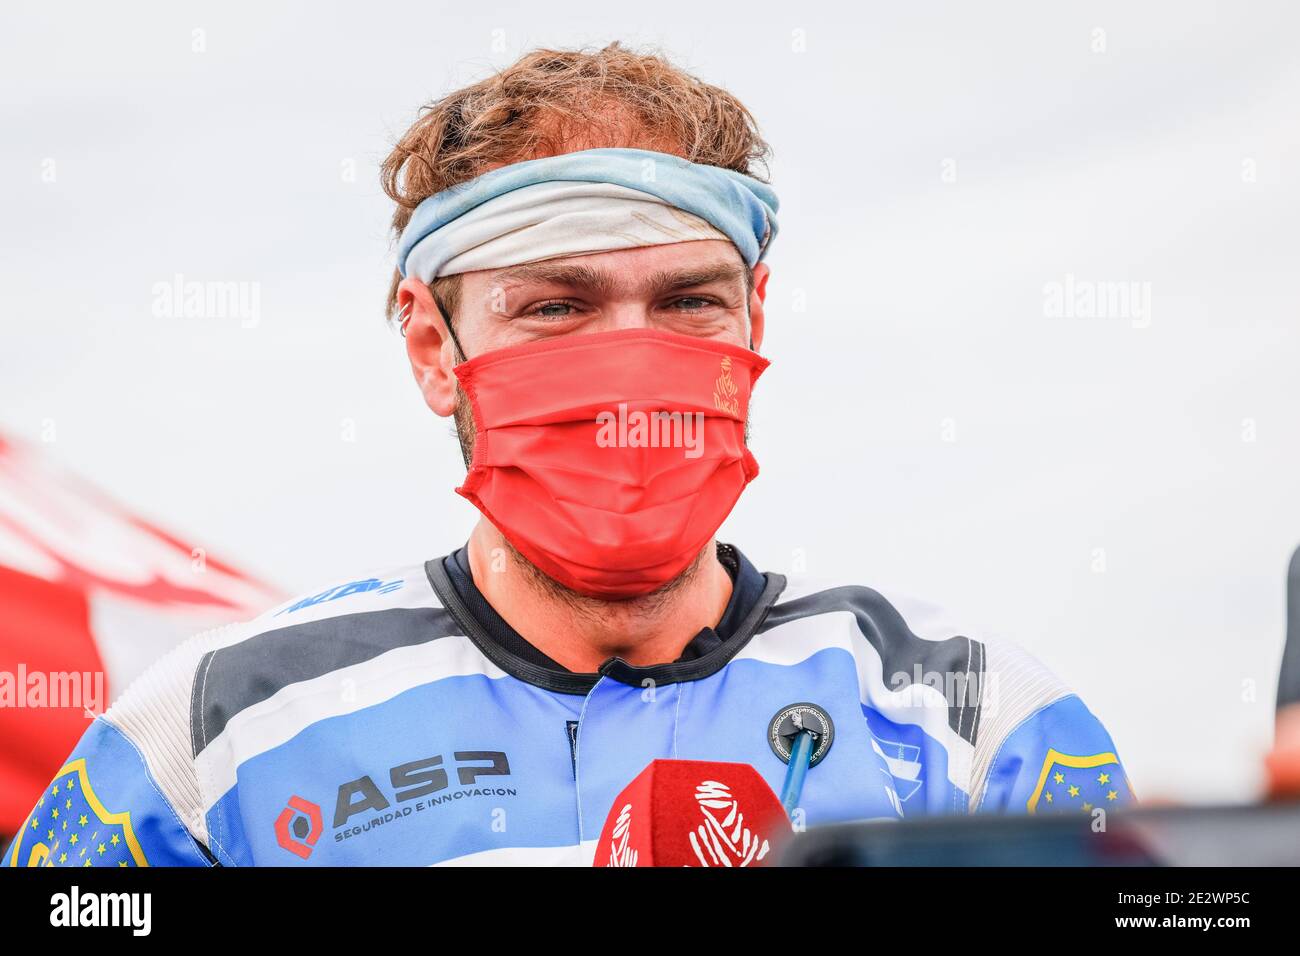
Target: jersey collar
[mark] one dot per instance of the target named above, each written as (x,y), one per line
(753,595)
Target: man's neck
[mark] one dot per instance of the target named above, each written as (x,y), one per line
(582,633)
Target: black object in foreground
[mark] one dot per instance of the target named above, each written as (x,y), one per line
(1267,835)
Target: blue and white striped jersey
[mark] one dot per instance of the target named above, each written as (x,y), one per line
(384,722)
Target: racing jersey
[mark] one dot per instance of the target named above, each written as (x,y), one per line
(398,720)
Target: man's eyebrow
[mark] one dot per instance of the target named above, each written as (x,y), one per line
(560,273)
(667,280)
(585,277)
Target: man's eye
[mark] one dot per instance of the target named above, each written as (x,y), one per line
(552,310)
(692,303)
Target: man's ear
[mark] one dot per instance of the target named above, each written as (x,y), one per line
(761,272)
(428,346)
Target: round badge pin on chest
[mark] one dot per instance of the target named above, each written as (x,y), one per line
(793,719)
(801,735)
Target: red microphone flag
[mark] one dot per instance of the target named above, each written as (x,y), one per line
(693,813)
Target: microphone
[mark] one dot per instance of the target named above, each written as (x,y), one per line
(693,813)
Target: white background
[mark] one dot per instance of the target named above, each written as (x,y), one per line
(903,308)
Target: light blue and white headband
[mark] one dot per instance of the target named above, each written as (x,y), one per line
(595,200)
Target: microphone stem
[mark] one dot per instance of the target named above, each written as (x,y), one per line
(801,751)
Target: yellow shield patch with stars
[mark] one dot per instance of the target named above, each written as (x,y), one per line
(1071,783)
(70,826)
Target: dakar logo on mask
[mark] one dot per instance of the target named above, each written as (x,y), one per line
(725,393)
(638,429)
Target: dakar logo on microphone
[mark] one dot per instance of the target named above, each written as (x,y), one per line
(620,854)
(725,392)
(723,839)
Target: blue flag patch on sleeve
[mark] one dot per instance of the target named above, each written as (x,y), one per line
(104,809)
(1073,783)
(70,826)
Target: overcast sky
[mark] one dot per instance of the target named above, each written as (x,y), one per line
(1118,492)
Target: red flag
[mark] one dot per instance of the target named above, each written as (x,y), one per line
(90,594)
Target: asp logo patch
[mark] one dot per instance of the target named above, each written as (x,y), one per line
(363,805)
(298,826)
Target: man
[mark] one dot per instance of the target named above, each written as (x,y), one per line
(1282,765)
(581,287)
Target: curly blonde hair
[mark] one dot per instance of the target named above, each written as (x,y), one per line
(555,101)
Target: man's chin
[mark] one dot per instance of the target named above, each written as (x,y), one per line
(557,589)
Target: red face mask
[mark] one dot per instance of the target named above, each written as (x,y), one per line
(610,459)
